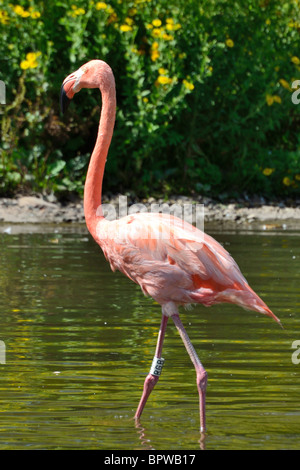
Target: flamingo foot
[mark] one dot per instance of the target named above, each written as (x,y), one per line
(156,368)
(149,384)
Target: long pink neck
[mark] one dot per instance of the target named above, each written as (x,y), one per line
(94,178)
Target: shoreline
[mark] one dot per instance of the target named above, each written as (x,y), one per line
(235,215)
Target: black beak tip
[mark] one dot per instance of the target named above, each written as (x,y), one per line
(64,100)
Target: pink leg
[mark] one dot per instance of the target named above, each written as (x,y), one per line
(200,371)
(152,379)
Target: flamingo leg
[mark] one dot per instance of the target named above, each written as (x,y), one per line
(152,379)
(200,371)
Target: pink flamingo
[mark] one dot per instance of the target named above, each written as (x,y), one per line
(180,266)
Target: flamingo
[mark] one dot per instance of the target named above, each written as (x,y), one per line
(179,267)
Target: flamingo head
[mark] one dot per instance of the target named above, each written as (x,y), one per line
(93,74)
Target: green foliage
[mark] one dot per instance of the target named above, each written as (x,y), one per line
(203,88)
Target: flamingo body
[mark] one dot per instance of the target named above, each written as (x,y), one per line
(173,261)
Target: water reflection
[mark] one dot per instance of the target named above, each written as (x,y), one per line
(80,340)
(142,432)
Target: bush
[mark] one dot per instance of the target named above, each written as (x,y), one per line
(203,89)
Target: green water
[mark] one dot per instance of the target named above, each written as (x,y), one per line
(80,339)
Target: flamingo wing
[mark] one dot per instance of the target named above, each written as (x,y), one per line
(174,261)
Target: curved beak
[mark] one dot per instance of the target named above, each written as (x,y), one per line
(70,86)
(64,100)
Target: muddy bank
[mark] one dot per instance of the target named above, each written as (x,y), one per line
(242,214)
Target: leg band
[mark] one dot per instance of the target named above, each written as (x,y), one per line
(157,365)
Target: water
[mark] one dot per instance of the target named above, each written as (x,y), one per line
(80,339)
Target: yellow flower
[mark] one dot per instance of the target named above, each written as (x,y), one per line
(286,181)
(163,80)
(269,100)
(156,23)
(145,99)
(285,84)
(156,32)
(32,56)
(162,71)
(101,6)
(268,171)
(170,26)
(277,99)
(167,37)
(154,51)
(268,21)
(129,21)
(24,64)
(190,86)
(169,21)
(154,55)
(297,177)
(30,62)
(76,11)
(79,11)
(33,64)
(4,18)
(295,60)
(294,24)
(229,43)
(35,14)
(125,28)
(19,10)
